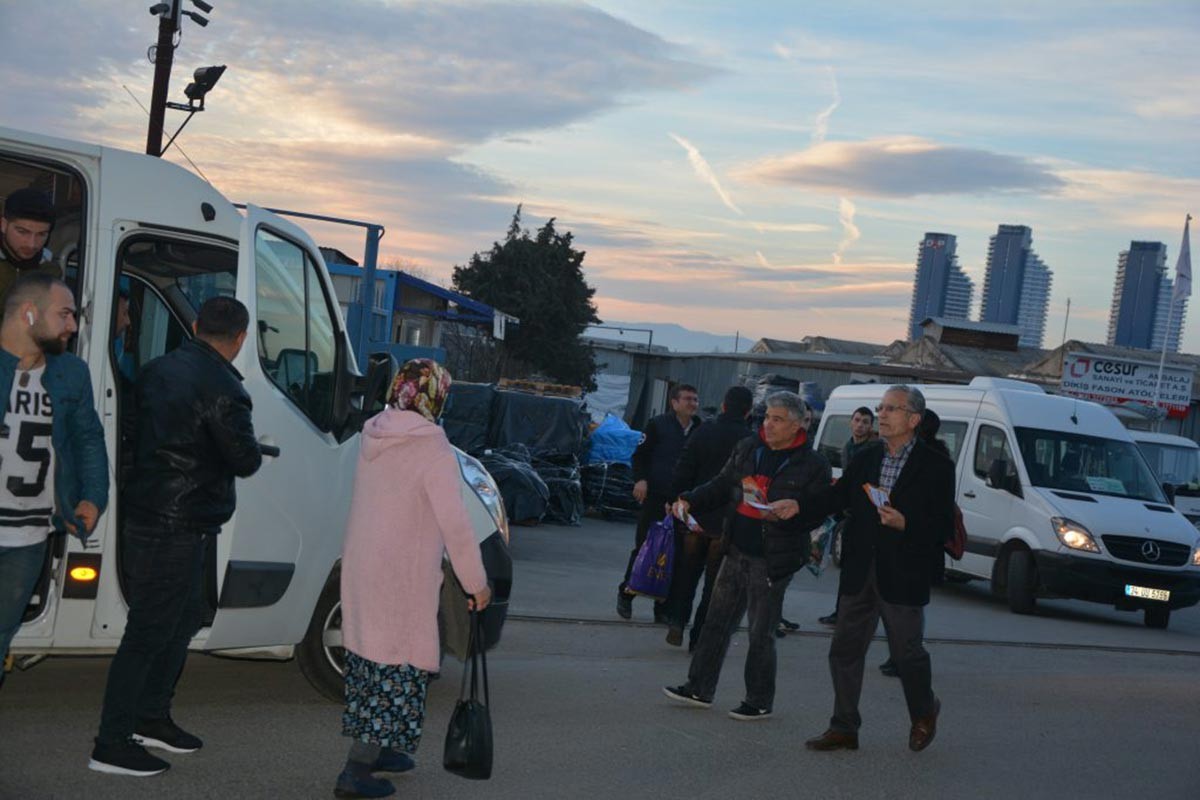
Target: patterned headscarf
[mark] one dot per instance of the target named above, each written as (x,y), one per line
(421,385)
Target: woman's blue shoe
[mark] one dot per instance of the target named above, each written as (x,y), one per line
(368,786)
(393,761)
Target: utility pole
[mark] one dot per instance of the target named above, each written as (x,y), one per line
(164,58)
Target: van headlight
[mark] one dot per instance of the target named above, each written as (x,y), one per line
(1074,535)
(1196,554)
(480,481)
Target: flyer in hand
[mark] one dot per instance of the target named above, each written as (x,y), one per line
(879,497)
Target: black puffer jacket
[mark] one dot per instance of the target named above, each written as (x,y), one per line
(705,453)
(786,544)
(194,435)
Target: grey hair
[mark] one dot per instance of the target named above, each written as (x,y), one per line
(912,397)
(794,403)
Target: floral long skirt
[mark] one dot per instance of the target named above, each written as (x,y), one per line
(385,703)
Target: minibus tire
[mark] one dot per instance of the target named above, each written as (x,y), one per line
(311,656)
(1022,582)
(1158,617)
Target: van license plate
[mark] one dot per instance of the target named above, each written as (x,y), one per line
(1146,592)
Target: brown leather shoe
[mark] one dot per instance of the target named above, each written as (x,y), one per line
(924,729)
(833,740)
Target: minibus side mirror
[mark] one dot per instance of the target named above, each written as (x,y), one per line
(371,390)
(998,477)
(1169,491)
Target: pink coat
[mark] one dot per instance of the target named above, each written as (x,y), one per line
(407,510)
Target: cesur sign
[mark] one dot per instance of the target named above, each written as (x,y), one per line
(1120,380)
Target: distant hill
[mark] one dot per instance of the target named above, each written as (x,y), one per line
(672,336)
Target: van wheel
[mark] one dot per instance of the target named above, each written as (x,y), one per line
(1157,617)
(1022,582)
(320,655)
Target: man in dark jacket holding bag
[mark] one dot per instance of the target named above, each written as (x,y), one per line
(700,553)
(194,437)
(770,479)
(653,469)
(895,531)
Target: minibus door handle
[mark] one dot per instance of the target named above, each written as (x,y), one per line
(969,494)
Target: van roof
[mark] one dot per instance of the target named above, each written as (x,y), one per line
(1023,404)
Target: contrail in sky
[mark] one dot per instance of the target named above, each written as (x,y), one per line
(846,212)
(705,173)
(821,127)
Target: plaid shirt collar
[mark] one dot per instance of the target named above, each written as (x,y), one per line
(889,471)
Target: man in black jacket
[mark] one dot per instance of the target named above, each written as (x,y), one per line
(887,549)
(769,480)
(194,437)
(653,470)
(700,553)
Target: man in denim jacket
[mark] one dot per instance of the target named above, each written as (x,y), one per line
(53,464)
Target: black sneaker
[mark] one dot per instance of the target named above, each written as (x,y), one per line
(830,620)
(127,758)
(684,694)
(746,712)
(789,625)
(165,735)
(890,669)
(624,604)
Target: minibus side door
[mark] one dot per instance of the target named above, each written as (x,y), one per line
(286,533)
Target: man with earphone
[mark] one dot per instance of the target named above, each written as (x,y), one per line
(53,463)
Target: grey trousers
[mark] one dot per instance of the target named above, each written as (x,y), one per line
(858,617)
(741,586)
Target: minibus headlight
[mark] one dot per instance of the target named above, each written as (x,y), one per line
(1196,554)
(1074,535)
(480,481)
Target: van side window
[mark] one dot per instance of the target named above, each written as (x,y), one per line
(295,329)
(57,248)
(834,438)
(990,445)
(954,434)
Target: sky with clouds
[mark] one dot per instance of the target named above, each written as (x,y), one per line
(762,167)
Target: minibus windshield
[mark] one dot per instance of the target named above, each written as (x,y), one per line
(1075,462)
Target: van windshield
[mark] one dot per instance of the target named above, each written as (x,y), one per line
(1178,466)
(1074,462)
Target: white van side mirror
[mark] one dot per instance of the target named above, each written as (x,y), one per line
(999,477)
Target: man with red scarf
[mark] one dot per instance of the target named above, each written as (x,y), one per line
(769,478)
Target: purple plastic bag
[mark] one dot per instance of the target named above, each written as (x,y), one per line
(652,569)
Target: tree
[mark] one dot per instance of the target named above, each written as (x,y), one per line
(539,280)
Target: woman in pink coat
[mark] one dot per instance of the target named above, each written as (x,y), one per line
(407,511)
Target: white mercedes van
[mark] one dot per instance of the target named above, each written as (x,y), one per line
(137,229)
(1057,499)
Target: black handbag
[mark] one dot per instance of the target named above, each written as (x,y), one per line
(468,750)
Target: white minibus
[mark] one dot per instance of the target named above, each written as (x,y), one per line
(140,228)
(1057,499)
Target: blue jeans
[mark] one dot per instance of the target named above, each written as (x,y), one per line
(20,568)
(164,572)
(742,587)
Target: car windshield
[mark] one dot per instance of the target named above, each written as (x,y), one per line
(1077,463)
(1178,466)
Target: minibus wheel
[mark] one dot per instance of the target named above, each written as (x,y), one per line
(1022,582)
(1157,617)
(320,654)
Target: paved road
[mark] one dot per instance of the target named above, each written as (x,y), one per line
(1114,711)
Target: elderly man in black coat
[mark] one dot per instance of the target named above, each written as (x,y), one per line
(901,502)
